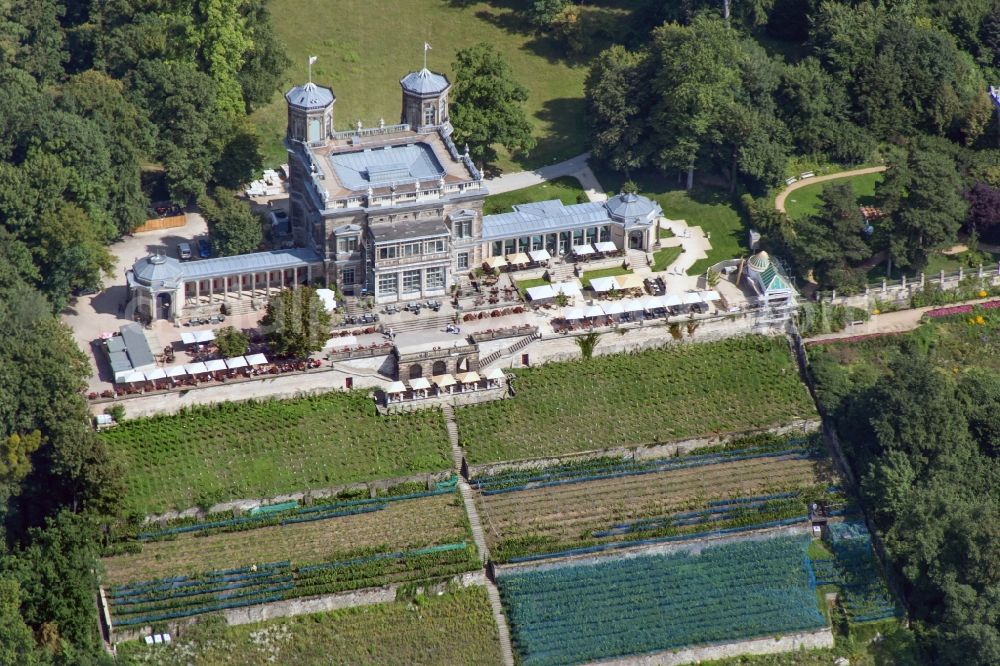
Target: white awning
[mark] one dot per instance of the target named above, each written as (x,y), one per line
(709,296)
(539,255)
(583,250)
(570,289)
(593,311)
(613,307)
(236,362)
(606,246)
(396,387)
(495,373)
(135,378)
(691,298)
(443,381)
(541,292)
(215,365)
(468,377)
(204,336)
(629,281)
(187,338)
(574,313)
(419,384)
(603,284)
(496,262)
(518,259)
(632,304)
(256,359)
(196,368)
(650,303)
(670,300)
(176,371)
(155,373)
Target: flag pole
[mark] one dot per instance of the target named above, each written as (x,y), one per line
(425,55)
(310,69)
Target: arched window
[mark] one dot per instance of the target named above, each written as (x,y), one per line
(416,371)
(440,368)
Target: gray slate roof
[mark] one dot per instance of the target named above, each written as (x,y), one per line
(633,207)
(136,346)
(405,231)
(424,82)
(379,167)
(250,263)
(158,271)
(310,96)
(543,217)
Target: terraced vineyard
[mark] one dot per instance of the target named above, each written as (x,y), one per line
(615,607)
(187,574)
(756,482)
(455,628)
(234,450)
(854,570)
(630,400)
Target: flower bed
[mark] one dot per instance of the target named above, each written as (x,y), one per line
(961,309)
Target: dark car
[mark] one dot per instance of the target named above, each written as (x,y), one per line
(204,248)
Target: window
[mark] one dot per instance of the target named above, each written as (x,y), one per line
(592,235)
(443,109)
(435,278)
(411,249)
(536,242)
(347,276)
(497,249)
(387,252)
(347,245)
(434,246)
(463,259)
(388,284)
(411,281)
(509,246)
(429,115)
(462,228)
(523,244)
(605,233)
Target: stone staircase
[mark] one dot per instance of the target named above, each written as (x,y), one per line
(420,322)
(638,262)
(490,359)
(506,649)
(561,271)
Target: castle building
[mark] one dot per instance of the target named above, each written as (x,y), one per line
(395,211)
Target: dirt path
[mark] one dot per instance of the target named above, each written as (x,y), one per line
(779,201)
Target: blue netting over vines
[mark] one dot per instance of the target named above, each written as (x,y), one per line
(854,569)
(585,612)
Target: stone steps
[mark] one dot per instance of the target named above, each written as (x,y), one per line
(506,650)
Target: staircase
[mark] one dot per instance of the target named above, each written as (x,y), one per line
(638,262)
(420,322)
(476,526)
(561,271)
(490,359)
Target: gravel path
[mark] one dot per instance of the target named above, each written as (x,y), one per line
(779,201)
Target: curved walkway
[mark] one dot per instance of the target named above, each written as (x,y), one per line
(779,201)
(576,167)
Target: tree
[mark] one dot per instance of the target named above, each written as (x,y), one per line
(617,94)
(231,342)
(542,13)
(984,210)
(15,455)
(921,195)
(486,104)
(833,239)
(234,228)
(587,343)
(296,322)
(17,645)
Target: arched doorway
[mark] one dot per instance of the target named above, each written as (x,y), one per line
(163,306)
(440,368)
(416,371)
(635,240)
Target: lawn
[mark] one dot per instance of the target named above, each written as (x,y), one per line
(630,400)
(604,272)
(261,449)
(804,202)
(711,209)
(365,46)
(567,189)
(525,285)
(454,628)
(663,258)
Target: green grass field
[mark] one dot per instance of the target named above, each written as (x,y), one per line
(245,450)
(604,272)
(632,400)
(566,189)
(665,257)
(804,202)
(365,46)
(455,628)
(709,208)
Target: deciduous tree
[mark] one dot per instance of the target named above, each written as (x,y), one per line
(296,322)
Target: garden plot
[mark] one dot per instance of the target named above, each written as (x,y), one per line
(630,400)
(455,628)
(768,481)
(245,450)
(611,608)
(188,574)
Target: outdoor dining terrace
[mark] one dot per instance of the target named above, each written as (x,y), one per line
(628,310)
(442,387)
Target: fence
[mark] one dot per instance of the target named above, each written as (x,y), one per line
(904,287)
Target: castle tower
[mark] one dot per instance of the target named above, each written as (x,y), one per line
(425,99)
(310,113)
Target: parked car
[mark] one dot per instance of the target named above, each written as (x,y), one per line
(204,248)
(184,251)
(280,222)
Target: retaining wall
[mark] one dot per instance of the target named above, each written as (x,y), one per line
(810,640)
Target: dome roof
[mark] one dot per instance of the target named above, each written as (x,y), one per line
(629,205)
(310,96)
(759,262)
(158,270)
(424,82)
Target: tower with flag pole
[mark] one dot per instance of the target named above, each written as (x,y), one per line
(312,60)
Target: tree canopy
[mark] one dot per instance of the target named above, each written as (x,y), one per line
(296,322)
